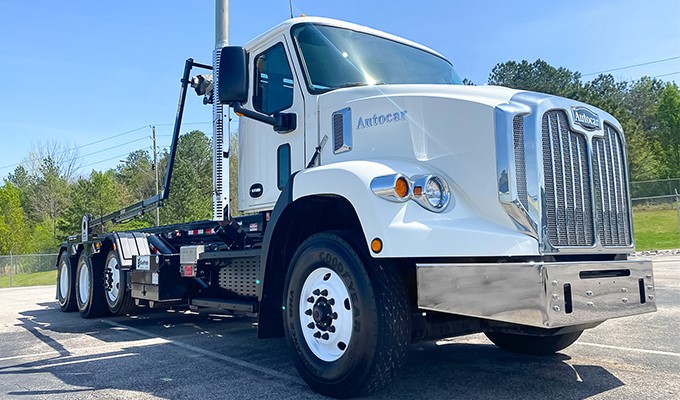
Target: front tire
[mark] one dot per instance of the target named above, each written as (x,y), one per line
(66,281)
(347,317)
(90,289)
(118,299)
(533,345)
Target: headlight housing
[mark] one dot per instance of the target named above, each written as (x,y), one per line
(429,191)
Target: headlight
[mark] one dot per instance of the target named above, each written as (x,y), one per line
(431,192)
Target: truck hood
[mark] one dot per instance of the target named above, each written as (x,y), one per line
(488,95)
(418,129)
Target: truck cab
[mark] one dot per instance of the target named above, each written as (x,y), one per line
(386,202)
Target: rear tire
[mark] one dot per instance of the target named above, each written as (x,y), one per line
(533,345)
(90,289)
(351,338)
(118,299)
(66,281)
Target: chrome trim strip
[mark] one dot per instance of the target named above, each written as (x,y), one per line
(506,168)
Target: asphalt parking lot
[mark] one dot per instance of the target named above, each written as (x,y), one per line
(48,354)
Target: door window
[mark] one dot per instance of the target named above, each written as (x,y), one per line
(273,81)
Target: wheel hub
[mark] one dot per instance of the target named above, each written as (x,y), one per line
(326,314)
(322,314)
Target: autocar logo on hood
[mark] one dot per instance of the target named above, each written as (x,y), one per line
(586,118)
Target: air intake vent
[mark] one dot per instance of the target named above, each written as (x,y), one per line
(342,130)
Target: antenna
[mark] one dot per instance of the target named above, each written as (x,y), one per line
(290,5)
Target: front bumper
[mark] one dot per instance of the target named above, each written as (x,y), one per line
(547,294)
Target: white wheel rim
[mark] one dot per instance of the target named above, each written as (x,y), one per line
(113,272)
(63,279)
(325,313)
(83,283)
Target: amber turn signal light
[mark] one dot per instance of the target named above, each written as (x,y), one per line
(376,245)
(401,187)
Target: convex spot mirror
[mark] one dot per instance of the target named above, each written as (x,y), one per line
(233,75)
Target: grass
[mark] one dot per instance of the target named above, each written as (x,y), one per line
(656,229)
(34,279)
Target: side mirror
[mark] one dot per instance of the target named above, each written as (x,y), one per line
(233,75)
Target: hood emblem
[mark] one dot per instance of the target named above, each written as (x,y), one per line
(586,118)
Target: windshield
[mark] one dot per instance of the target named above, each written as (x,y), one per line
(335,57)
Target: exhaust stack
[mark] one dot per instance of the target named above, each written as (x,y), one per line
(221,211)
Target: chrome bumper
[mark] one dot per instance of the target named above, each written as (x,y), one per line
(547,295)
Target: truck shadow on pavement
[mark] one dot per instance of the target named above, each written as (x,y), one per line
(177,355)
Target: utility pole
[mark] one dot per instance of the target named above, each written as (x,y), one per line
(155,169)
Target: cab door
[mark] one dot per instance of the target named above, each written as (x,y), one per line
(267,158)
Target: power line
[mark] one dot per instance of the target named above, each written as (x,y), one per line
(112,147)
(108,159)
(109,138)
(632,66)
(668,74)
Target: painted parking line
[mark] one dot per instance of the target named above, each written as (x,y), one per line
(606,346)
(264,370)
(90,350)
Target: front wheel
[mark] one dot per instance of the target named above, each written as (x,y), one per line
(346,316)
(533,345)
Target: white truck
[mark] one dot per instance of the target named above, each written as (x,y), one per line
(385,203)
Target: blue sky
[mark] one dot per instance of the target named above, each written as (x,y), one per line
(81,71)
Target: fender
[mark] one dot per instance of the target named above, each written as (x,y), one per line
(407,229)
(129,244)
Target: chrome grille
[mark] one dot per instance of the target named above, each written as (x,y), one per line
(568,195)
(611,189)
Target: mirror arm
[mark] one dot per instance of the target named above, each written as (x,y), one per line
(282,122)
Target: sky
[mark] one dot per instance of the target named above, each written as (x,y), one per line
(81,71)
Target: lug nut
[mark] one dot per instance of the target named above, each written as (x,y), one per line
(325,336)
(310,325)
(331,329)
(308,312)
(317,335)
(324,292)
(331,302)
(310,299)
(334,315)
(316,292)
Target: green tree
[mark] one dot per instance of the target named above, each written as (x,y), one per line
(49,196)
(668,116)
(191,186)
(136,174)
(604,92)
(538,76)
(13,227)
(98,195)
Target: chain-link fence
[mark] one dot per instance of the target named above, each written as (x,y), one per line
(662,193)
(20,270)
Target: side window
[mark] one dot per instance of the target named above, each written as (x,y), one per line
(273,81)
